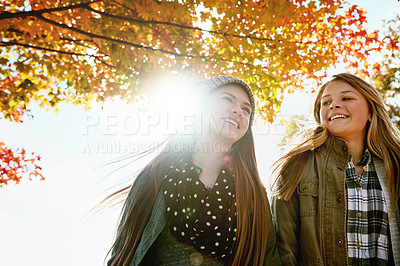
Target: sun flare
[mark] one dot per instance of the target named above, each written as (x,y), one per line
(176,105)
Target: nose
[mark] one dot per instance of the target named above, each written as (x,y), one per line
(236,109)
(335,105)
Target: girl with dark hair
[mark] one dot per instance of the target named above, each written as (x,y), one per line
(336,196)
(201,200)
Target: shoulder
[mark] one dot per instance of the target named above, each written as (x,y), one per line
(379,166)
(297,161)
(136,185)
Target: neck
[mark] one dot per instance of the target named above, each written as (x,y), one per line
(210,157)
(209,153)
(356,148)
(212,146)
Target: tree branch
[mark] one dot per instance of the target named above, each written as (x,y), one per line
(141,21)
(35,13)
(38,13)
(162,36)
(92,35)
(130,44)
(236,49)
(118,41)
(53,50)
(122,5)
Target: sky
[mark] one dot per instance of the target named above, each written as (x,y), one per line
(52,222)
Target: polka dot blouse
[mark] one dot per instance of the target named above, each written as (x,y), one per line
(204,217)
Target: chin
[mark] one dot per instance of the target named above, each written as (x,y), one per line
(335,130)
(229,137)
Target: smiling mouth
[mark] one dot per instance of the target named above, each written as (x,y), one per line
(231,122)
(337,117)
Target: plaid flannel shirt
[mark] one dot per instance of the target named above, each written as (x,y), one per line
(367,215)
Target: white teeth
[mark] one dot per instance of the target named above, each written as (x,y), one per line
(337,116)
(232,122)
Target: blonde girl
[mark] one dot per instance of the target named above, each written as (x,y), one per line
(337,194)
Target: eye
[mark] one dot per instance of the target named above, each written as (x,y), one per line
(323,103)
(346,98)
(227,98)
(246,110)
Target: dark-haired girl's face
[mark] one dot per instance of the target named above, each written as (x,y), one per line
(230,110)
(344,111)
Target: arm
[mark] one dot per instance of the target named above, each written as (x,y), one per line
(287,221)
(271,254)
(126,208)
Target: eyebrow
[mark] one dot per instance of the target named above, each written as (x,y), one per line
(233,96)
(342,92)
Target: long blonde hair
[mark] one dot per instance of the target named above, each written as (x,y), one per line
(383,140)
(253,213)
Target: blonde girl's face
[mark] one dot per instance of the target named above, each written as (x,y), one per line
(230,111)
(344,111)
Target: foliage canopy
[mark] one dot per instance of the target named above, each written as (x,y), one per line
(80,51)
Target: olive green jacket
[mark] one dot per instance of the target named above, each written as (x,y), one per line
(311,226)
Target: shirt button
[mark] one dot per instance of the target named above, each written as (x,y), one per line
(359,214)
(365,168)
(358,189)
(358,245)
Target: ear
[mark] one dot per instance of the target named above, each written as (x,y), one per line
(369,117)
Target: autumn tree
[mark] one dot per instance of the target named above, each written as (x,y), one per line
(387,80)
(79,51)
(16,164)
(84,51)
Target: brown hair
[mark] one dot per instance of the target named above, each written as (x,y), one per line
(383,140)
(253,213)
